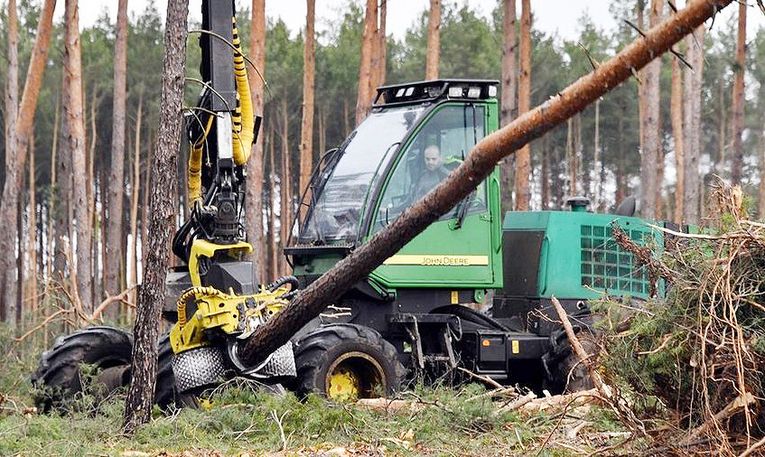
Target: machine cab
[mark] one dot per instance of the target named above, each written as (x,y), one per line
(415,135)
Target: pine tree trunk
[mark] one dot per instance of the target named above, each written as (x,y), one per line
(140,395)
(676,115)
(596,162)
(523,157)
(273,260)
(76,142)
(254,192)
(20,262)
(114,232)
(382,48)
(286,187)
(570,157)
(90,192)
(649,153)
(737,118)
(32,233)
(692,121)
(52,206)
(461,182)
(11,165)
(374,59)
(364,97)
(135,186)
(434,40)
(545,178)
(306,125)
(509,92)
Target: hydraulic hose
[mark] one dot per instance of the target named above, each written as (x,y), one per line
(189,295)
(243,119)
(195,165)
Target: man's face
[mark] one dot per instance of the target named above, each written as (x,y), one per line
(432,158)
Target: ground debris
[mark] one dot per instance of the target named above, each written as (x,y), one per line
(694,358)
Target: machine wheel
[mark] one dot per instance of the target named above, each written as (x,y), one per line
(345,362)
(165,395)
(59,376)
(570,374)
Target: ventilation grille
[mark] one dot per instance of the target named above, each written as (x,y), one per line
(607,266)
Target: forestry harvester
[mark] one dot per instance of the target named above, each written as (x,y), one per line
(472,291)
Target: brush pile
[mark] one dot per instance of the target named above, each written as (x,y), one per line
(697,356)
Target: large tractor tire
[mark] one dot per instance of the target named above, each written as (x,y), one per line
(109,350)
(165,394)
(345,362)
(59,376)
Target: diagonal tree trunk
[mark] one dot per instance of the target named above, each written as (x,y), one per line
(523,157)
(737,118)
(140,395)
(254,192)
(114,256)
(73,110)
(479,164)
(433,55)
(306,124)
(509,91)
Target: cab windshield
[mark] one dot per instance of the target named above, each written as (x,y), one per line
(337,209)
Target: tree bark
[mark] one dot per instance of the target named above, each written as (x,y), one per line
(254,191)
(135,186)
(74,113)
(676,115)
(737,118)
(382,49)
(364,97)
(649,154)
(11,111)
(433,55)
(286,186)
(692,120)
(479,164)
(52,204)
(114,257)
(32,233)
(596,161)
(140,395)
(306,125)
(523,157)
(509,91)
(273,260)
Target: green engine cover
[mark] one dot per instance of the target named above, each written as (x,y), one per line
(577,256)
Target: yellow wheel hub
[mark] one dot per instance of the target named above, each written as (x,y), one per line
(344,385)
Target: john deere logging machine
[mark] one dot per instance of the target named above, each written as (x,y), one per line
(472,291)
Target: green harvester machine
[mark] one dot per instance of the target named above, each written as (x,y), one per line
(470,295)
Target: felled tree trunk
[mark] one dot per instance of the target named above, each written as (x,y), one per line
(140,395)
(478,165)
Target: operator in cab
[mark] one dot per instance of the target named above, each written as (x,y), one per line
(433,173)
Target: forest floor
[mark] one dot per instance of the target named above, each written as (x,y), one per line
(471,420)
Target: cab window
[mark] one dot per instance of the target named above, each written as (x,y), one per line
(438,148)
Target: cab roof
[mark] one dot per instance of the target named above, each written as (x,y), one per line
(437,89)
